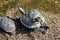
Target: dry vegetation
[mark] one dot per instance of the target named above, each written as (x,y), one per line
(51,10)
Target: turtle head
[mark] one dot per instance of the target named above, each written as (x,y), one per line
(21,10)
(44,27)
(43,30)
(43,23)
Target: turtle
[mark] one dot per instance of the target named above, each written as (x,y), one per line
(7,24)
(33,19)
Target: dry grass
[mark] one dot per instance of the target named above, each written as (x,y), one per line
(47,5)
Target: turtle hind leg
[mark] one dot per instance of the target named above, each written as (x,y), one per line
(9,33)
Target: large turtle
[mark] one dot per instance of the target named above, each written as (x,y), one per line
(33,19)
(7,24)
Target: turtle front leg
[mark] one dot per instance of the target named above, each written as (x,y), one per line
(42,30)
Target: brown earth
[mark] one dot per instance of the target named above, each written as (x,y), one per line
(22,33)
(49,8)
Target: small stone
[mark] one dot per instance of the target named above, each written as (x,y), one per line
(56,2)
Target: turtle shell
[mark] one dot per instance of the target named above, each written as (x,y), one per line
(7,24)
(27,19)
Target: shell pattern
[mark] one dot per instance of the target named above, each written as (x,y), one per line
(32,19)
(7,24)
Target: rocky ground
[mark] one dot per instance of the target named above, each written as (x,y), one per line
(22,33)
(49,8)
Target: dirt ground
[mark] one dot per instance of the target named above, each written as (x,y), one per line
(49,8)
(22,33)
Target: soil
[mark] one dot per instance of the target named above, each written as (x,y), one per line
(49,8)
(23,33)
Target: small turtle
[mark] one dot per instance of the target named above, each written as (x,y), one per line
(33,19)
(7,25)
